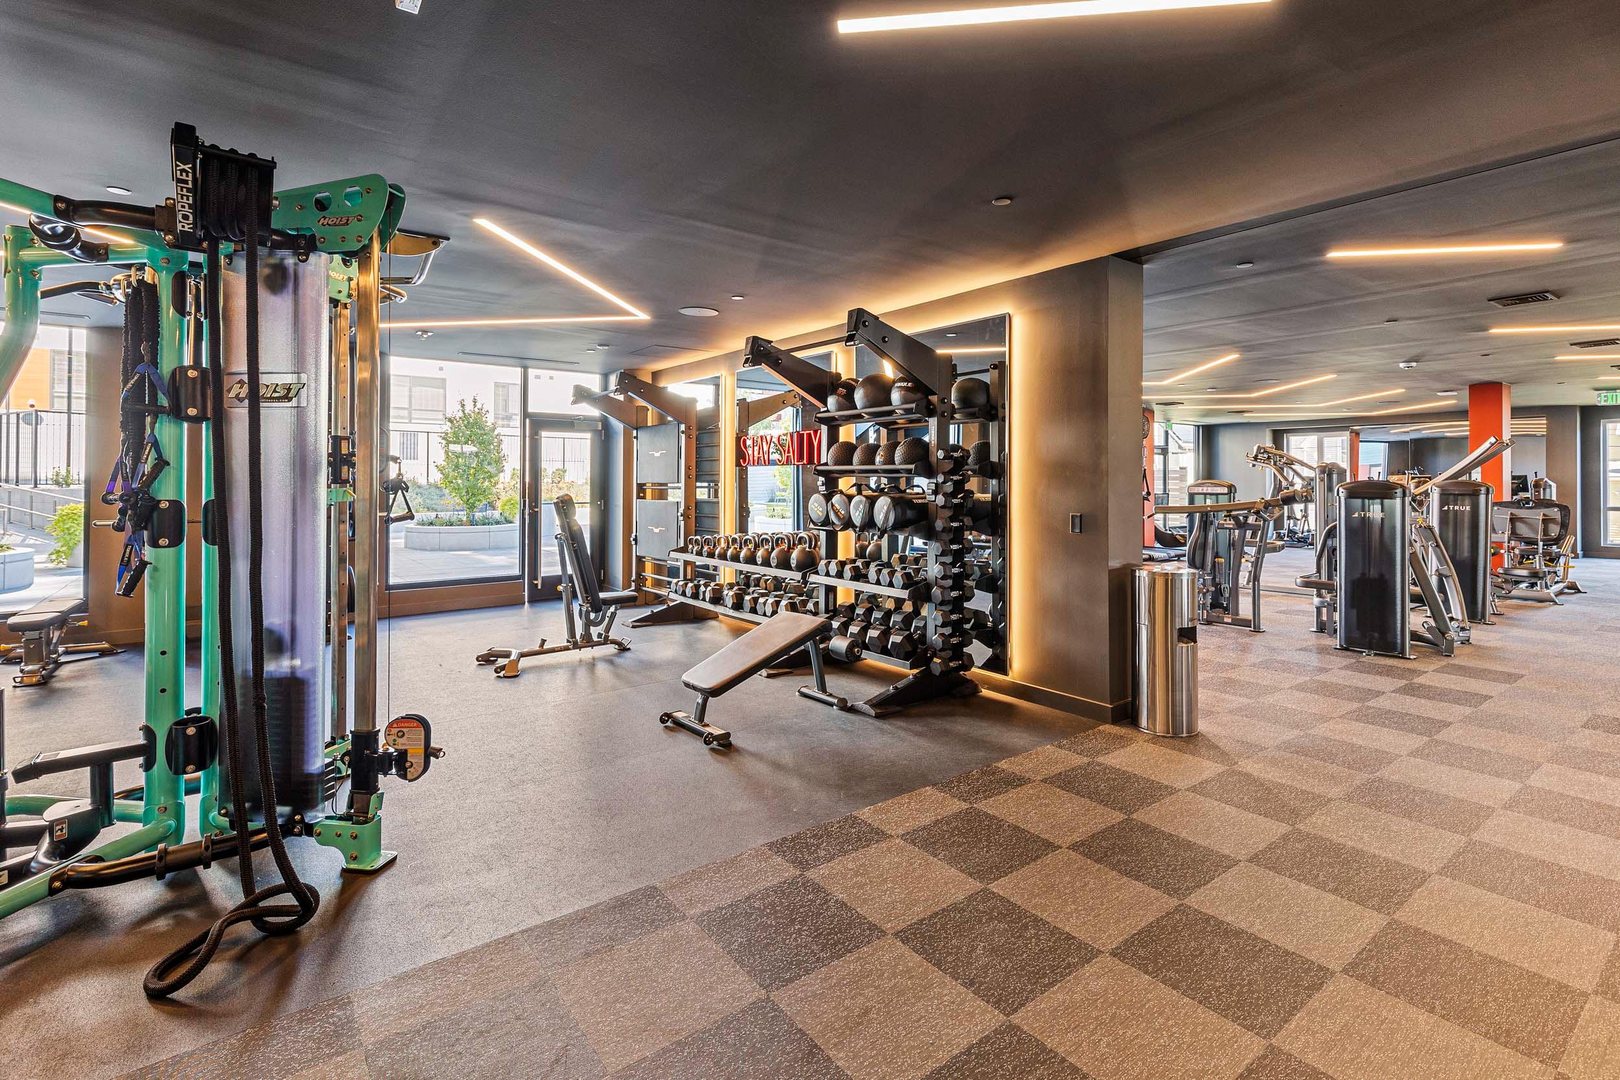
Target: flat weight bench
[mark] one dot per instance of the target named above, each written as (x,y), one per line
(588,612)
(773,640)
(42,650)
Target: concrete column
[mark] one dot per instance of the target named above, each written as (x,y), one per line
(1076,428)
(1564,457)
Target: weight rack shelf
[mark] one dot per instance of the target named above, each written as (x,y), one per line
(906,416)
(860,586)
(741,568)
(901,471)
(718,609)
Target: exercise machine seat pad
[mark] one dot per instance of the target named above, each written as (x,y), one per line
(617,599)
(47,614)
(770,640)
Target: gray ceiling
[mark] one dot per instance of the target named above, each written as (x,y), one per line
(681,152)
(1295,315)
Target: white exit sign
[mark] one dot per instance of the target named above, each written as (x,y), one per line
(1608,397)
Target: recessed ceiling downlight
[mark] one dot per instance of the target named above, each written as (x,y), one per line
(699,312)
(120,189)
(1001,200)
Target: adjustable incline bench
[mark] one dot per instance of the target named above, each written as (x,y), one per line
(773,640)
(42,650)
(588,611)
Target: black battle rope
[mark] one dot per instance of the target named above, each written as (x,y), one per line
(237,196)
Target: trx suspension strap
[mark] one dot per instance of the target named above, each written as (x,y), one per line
(229,211)
(140,456)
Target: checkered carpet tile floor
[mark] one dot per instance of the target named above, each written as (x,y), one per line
(1362,868)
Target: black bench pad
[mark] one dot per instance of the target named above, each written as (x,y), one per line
(617,599)
(770,640)
(47,614)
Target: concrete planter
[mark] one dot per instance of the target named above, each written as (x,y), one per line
(462,537)
(16,569)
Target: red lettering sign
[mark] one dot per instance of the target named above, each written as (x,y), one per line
(785,448)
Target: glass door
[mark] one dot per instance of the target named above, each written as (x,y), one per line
(564,457)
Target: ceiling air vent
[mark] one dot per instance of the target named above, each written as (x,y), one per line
(1523,298)
(663,350)
(1601,343)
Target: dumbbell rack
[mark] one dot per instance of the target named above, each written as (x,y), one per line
(693,561)
(944,481)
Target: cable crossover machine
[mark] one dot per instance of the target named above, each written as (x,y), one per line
(254,314)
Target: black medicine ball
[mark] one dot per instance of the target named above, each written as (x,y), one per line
(841,453)
(970,393)
(873,391)
(906,391)
(843,398)
(912,451)
(866,454)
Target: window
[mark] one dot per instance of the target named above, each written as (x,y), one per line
(506,404)
(1175,460)
(1374,463)
(416,399)
(465,528)
(67,381)
(42,471)
(773,490)
(552,392)
(1611,483)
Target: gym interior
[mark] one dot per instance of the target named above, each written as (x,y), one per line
(862,538)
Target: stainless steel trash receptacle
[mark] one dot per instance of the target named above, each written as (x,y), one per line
(1167,650)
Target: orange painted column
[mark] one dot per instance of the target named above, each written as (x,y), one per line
(1490,412)
(1353,466)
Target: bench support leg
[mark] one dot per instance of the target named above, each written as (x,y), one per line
(693,721)
(819,691)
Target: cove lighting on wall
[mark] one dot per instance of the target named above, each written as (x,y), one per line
(632,313)
(1449,249)
(928,20)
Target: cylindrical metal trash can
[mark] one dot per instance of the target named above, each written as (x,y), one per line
(1167,650)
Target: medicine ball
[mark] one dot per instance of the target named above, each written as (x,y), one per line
(843,396)
(866,454)
(841,453)
(886,452)
(912,451)
(906,391)
(970,393)
(873,391)
(979,454)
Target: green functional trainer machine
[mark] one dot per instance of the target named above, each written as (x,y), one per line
(255,314)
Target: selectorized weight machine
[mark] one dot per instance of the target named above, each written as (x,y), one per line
(1228,538)
(259,320)
(1386,556)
